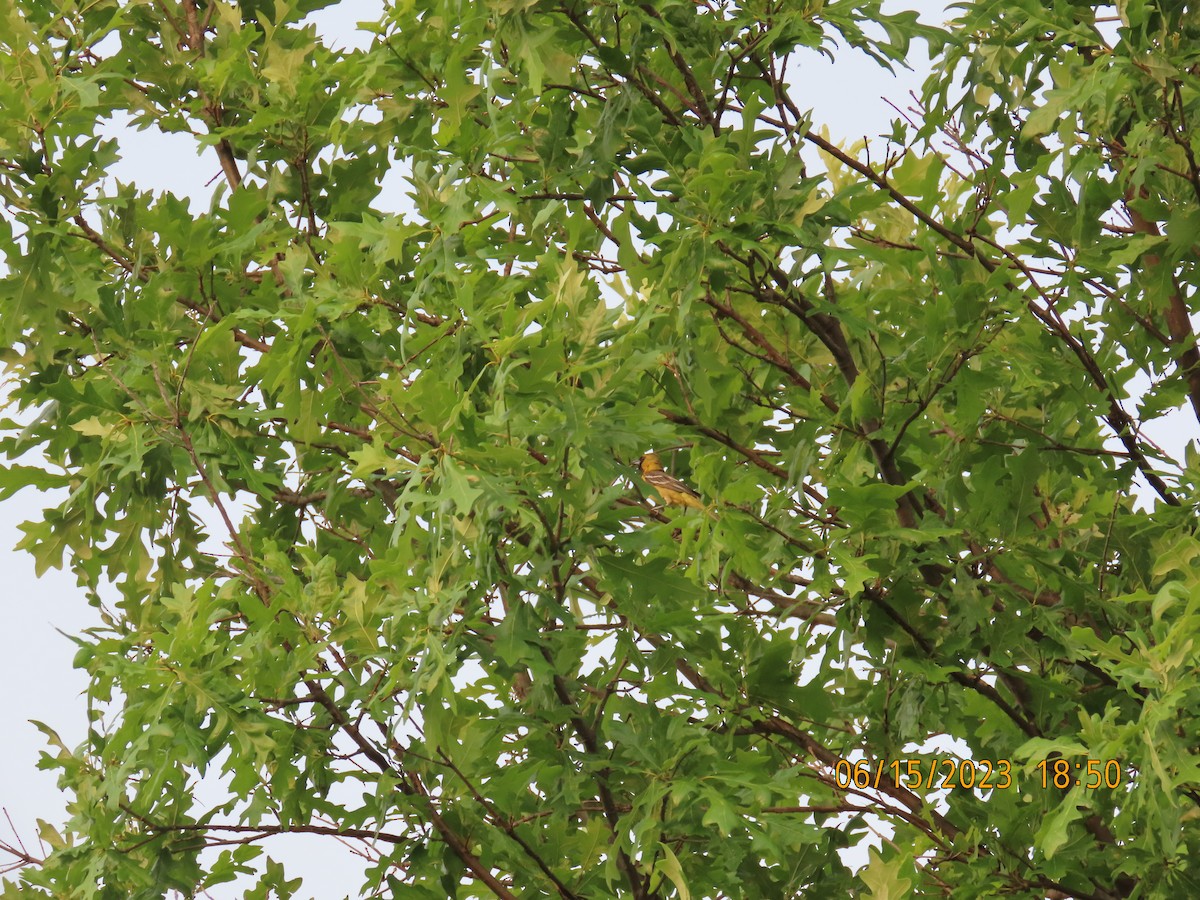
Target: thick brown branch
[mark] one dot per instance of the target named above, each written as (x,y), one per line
(1179,323)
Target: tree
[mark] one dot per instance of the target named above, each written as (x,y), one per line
(351,486)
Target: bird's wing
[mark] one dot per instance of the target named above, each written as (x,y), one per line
(661,479)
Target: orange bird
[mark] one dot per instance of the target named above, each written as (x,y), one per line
(671,489)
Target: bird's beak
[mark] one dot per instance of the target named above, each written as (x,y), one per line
(637,463)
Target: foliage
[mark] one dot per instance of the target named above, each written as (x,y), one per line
(349,484)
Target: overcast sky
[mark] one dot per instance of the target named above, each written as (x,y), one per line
(848,96)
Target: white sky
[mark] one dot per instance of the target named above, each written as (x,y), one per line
(35,658)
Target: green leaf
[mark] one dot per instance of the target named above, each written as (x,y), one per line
(883,879)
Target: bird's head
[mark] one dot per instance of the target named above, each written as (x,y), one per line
(648,462)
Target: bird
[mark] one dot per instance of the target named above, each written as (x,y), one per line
(671,489)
